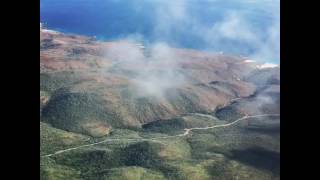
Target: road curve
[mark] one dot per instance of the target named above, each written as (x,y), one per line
(186,132)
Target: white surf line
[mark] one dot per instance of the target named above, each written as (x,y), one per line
(187,131)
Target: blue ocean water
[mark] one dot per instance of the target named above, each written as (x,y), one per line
(242,27)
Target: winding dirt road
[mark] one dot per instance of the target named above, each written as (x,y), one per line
(186,132)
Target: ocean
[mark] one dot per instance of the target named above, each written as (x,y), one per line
(242,27)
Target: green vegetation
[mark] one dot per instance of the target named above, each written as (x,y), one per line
(228,113)
(73,111)
(91,160)
(53,81)
(59,172)
(49,170)
(172,126)
(52,139)
(184,101)
(133,173)
(229,169)
(183,170)
(44,98)
(210,154)
(154,153)
(82,106)
(177,125)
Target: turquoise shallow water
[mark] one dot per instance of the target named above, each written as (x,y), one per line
(240,27)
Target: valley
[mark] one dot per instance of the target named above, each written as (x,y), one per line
(114,110)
